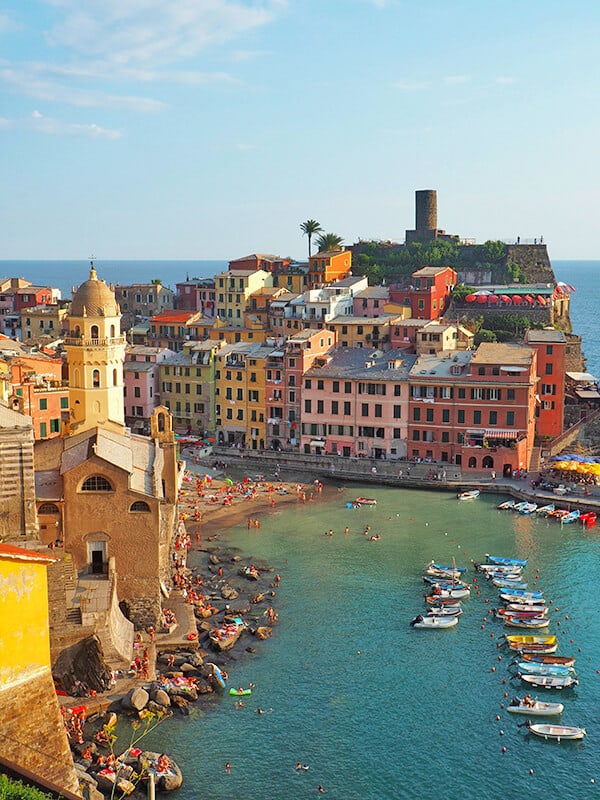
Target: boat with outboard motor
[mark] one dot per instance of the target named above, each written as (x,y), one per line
(536,708)
(470,494)
(433,623)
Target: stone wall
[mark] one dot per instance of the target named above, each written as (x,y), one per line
(32,733)
(534,262)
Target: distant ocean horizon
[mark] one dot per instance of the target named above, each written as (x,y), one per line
(64,274)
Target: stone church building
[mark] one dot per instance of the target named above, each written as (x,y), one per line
(111,495)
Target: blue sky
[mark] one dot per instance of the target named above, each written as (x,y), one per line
(213,128)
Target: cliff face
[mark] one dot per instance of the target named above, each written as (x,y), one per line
(533,262)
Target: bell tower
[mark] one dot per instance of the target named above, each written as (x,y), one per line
(95,350)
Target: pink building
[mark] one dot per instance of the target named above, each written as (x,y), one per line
(141,384)
(355,403)
(196,294)
(371,301)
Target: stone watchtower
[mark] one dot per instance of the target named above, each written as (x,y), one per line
(426,218)
(95,354)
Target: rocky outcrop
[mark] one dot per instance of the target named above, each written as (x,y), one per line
(83,663)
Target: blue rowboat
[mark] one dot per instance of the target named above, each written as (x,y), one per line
(522,593)
(572,516)
(513,562)
(446,567)
(448,584)
(505,583)
(529,668)
(528,508)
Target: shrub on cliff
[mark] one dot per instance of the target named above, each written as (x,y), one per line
(16,790)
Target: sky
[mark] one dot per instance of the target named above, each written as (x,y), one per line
(192,129)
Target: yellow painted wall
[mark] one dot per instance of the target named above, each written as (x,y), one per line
(24,640)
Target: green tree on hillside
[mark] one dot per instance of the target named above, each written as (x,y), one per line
(329,241)
(309,228)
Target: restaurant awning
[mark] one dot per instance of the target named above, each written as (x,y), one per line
(498,433)
(317,443)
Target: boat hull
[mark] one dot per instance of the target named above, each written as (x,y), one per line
(557,732)
(537,709)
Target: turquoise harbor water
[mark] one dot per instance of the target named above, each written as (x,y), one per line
(376,708)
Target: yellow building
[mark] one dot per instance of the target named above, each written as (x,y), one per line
(32,734)
(240,378)
(366,332)
(233,288)
(43,323)
(95,354)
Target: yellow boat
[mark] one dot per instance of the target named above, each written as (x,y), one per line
(531,640)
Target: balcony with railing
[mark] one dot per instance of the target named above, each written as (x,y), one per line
(79,341)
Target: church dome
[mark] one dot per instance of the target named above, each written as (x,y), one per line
(94,299)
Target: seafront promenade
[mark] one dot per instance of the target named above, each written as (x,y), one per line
(399,474)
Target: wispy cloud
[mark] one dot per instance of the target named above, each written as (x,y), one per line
(411,86)
(6,23)
(506,80)
(28,83)
(39,123)
(152,31)
(456,80)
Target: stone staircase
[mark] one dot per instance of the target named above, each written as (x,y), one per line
(536,460)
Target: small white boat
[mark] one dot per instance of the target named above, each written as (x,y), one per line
(549,681)
(433,622)
(516,608)
(531,668)
(497,569)
(526,622)
(529,508)
(509,583)
(471,494)
(507,505)
(535,708)
(456,594)
(557,732)
(543,511)
(444,611)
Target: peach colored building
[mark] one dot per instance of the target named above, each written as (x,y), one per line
(355,403)
(328,266)
(474,409)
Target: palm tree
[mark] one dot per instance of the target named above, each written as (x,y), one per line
(329,241)
(310,227)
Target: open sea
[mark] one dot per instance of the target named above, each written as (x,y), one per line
(374,707)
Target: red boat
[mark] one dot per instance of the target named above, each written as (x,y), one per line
(589,518)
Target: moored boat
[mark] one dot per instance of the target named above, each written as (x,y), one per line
(543,511)
(524,594)
(509,583)
(526,623)
(470,494)
(572,516)
(442,601)
(433,623)
(543,649)
(558,513)
(549,681)
(535,708)
(531,639)
(526,613)
(456,594)
(538,610)
(588,519)
(366,501)
(567,661)
(507,505)
(530,668)
(557,732)
(513,562)
(444,611)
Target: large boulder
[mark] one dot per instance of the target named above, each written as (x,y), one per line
(136,699)
(162,698)
(164,781)
(228,592)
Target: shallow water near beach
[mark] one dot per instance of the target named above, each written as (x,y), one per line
(374,707)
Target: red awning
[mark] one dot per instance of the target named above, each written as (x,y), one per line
(482,298)
(470,298)
(529,299)
(505,298)
(541,300)
(517,299)
(493,298)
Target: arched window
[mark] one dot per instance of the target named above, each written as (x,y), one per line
(94,332)
(96,379)
(139,507)
(161,423)
(115,379)
(77,332)
(488,462)
(112,331)
(96,483)
(48,508)
(472,462)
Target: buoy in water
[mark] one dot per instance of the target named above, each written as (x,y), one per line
(504,749)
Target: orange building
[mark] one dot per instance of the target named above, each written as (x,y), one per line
(37,390)
(328,266)
(551,347)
